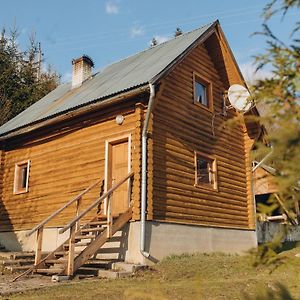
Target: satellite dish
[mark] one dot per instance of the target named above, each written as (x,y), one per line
(238,97)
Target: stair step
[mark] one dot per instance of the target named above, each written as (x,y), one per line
(62,253)
(97,229)
(56,261)
(14,262)
(98,222)
(80,244)
(22,255)
(49,271)
(87,270)
(95,263)
(17,268)
(5,255)
(101,261)
(112,274)
(109,250)
(83,237)
(85,276)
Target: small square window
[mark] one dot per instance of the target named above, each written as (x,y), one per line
(206,171)
(202,92)
(21,177)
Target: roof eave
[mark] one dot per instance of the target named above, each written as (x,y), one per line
(66,115)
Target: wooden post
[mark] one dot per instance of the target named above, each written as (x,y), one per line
(70,268)
(109,217)
(130,183)
(77,212)
(39,242)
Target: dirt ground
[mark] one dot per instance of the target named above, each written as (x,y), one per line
(7,287)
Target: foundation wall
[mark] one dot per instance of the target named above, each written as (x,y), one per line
(162,239)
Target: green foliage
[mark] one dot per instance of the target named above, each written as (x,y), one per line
(279,96)
(266,254)
(22,80)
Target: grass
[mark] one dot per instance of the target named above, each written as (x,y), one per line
(199,276)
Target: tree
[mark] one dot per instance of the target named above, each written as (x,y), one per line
(22,81)
(280,96)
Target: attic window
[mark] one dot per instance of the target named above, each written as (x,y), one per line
(205,171)
(202,92)
(21,177)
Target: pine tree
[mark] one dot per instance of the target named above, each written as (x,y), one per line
(280,94)
(22,82)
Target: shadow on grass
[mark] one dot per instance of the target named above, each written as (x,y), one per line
(286,246)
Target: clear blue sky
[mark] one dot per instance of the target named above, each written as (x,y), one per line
(109,30)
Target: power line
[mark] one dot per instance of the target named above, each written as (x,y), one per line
(158,25)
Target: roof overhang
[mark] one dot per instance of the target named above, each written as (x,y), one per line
(66,115)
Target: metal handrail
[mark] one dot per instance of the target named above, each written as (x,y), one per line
(96,202)
(40,225)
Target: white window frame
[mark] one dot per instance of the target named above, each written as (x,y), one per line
(18,166)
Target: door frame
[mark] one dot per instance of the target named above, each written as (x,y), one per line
(107,168)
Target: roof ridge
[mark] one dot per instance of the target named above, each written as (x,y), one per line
(159,45)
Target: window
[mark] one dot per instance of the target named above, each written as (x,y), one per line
(21,177)
(206,171)
(202,92)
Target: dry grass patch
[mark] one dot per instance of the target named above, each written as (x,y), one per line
(199,276)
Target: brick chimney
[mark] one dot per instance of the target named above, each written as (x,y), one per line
(82,70)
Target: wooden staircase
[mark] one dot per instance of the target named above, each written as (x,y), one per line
(84,241)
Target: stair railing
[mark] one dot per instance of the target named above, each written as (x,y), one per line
(72,224)
(40,227)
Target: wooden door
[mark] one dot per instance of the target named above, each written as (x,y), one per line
(118,170)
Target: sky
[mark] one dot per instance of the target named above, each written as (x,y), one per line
(110,30)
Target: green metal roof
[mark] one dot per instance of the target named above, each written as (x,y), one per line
(134,71)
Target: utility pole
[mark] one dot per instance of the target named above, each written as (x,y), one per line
(39,62)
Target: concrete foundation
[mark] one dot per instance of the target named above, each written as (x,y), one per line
(267,231)
(162,239)
(18,241)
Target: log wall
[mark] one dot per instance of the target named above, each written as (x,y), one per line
(61,167)
(179,128)
(2,157)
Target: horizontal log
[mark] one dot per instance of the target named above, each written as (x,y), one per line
(200,220)
(183,189)
(198,205)
(228,218)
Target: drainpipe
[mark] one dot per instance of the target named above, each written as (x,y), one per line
(144,172)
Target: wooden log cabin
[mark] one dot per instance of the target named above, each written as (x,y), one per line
(156,125)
